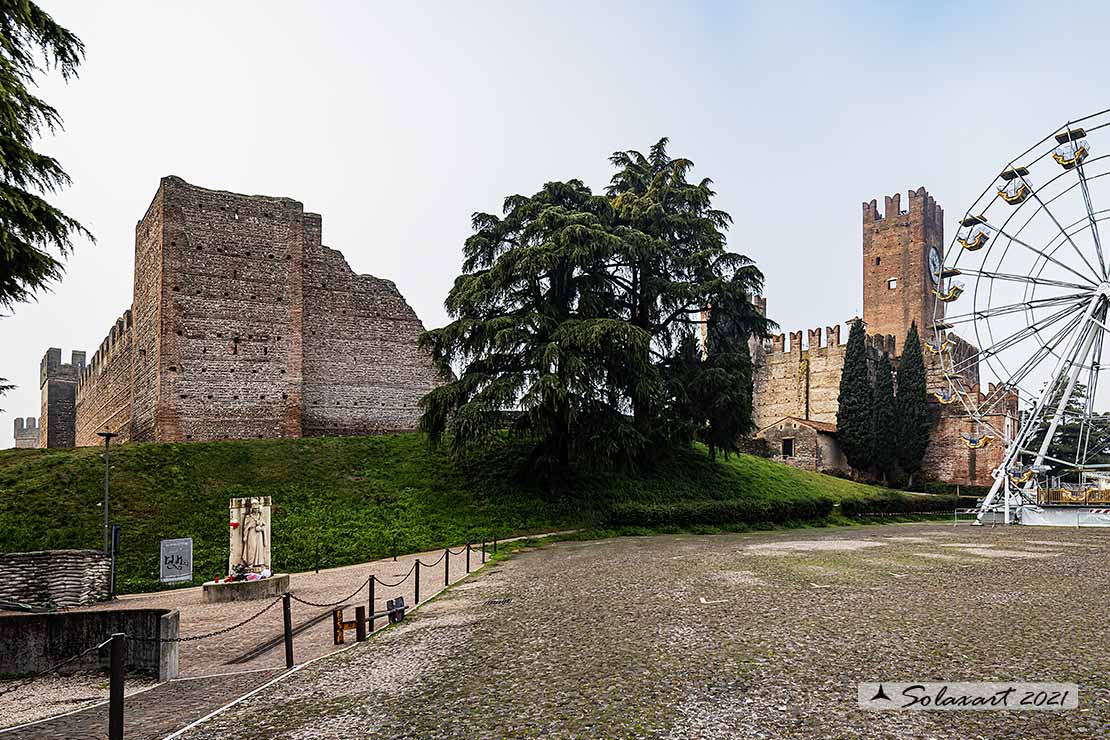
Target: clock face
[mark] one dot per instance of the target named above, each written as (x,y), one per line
(935,266)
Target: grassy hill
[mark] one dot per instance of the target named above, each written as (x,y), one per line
(352,498)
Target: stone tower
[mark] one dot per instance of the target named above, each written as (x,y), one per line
(26,432)
(897,286)
(58,384)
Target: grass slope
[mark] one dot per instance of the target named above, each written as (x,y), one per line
(352,498)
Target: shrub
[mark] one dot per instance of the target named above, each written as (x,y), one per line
(729,512)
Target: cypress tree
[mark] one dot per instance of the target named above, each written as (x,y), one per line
(884,423)
(912,406)
(853,415)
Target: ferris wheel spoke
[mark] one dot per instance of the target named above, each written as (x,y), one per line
(1024,333)
(1023,371)
(1048,256)
(1091,214)
(1031,279)
(1101,275)
(1071,298)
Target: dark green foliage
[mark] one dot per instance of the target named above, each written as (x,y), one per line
(728,512)
(30,43)
(912,404)
(884,420)
(853,415)
(727,373)
(576,309)
(893,502)
(352,496)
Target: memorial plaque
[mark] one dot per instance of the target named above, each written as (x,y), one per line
(177,560)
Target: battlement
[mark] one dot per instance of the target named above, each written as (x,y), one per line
(109,346)
(26,432)
(760,303)
(51,367)
(886,344)
(920,202)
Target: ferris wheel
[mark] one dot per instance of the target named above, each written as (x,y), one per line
(1026,282)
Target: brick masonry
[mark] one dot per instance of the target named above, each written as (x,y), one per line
(802,379)
(242,325)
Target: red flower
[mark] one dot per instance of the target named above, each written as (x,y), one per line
(234,525)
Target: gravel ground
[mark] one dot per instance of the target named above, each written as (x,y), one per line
(725,636)
(52,695)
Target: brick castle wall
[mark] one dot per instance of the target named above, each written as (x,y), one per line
(803,381)
(243,324)
(361,360)
(105,388)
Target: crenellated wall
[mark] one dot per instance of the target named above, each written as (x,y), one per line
(105,387)
(243,324)
(26,432)
(803,380)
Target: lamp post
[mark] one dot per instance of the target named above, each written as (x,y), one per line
(107,530)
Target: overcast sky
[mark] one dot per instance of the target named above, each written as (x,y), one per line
(396,121)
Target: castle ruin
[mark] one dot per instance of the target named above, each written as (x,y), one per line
(242,325)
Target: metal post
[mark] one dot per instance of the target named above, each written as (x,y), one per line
(446,567)
(107,439)
(495,544)
(371,600)
(287,618)
(483,550)
(118,647)
(395,548)
(416,598)
(468,556)
(114,552)
(360,623)
(317,555)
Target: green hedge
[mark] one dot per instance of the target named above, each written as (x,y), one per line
(892,502)
(721,512)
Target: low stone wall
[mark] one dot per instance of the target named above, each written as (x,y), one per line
(30,643)
(55,578)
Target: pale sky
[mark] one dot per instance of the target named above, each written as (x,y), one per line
(396,121)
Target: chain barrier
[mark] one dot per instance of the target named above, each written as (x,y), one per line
(216,633)
(306,602)
(53,668)
(398,583)
(435,563)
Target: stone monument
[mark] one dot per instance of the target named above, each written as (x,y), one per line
(249,550)
(249,569)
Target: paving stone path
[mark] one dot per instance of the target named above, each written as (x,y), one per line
(722,637)
(158,711)
(152,714)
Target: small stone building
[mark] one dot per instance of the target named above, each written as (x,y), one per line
(805,444)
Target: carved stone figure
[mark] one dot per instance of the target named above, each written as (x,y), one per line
(250,535)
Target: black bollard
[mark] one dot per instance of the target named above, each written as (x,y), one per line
(118,647)
(468,556)
(371,600)
(287,618)
(416,597)
(360,623)
(395,548)
(446,567)
(495,544)
(483,550)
